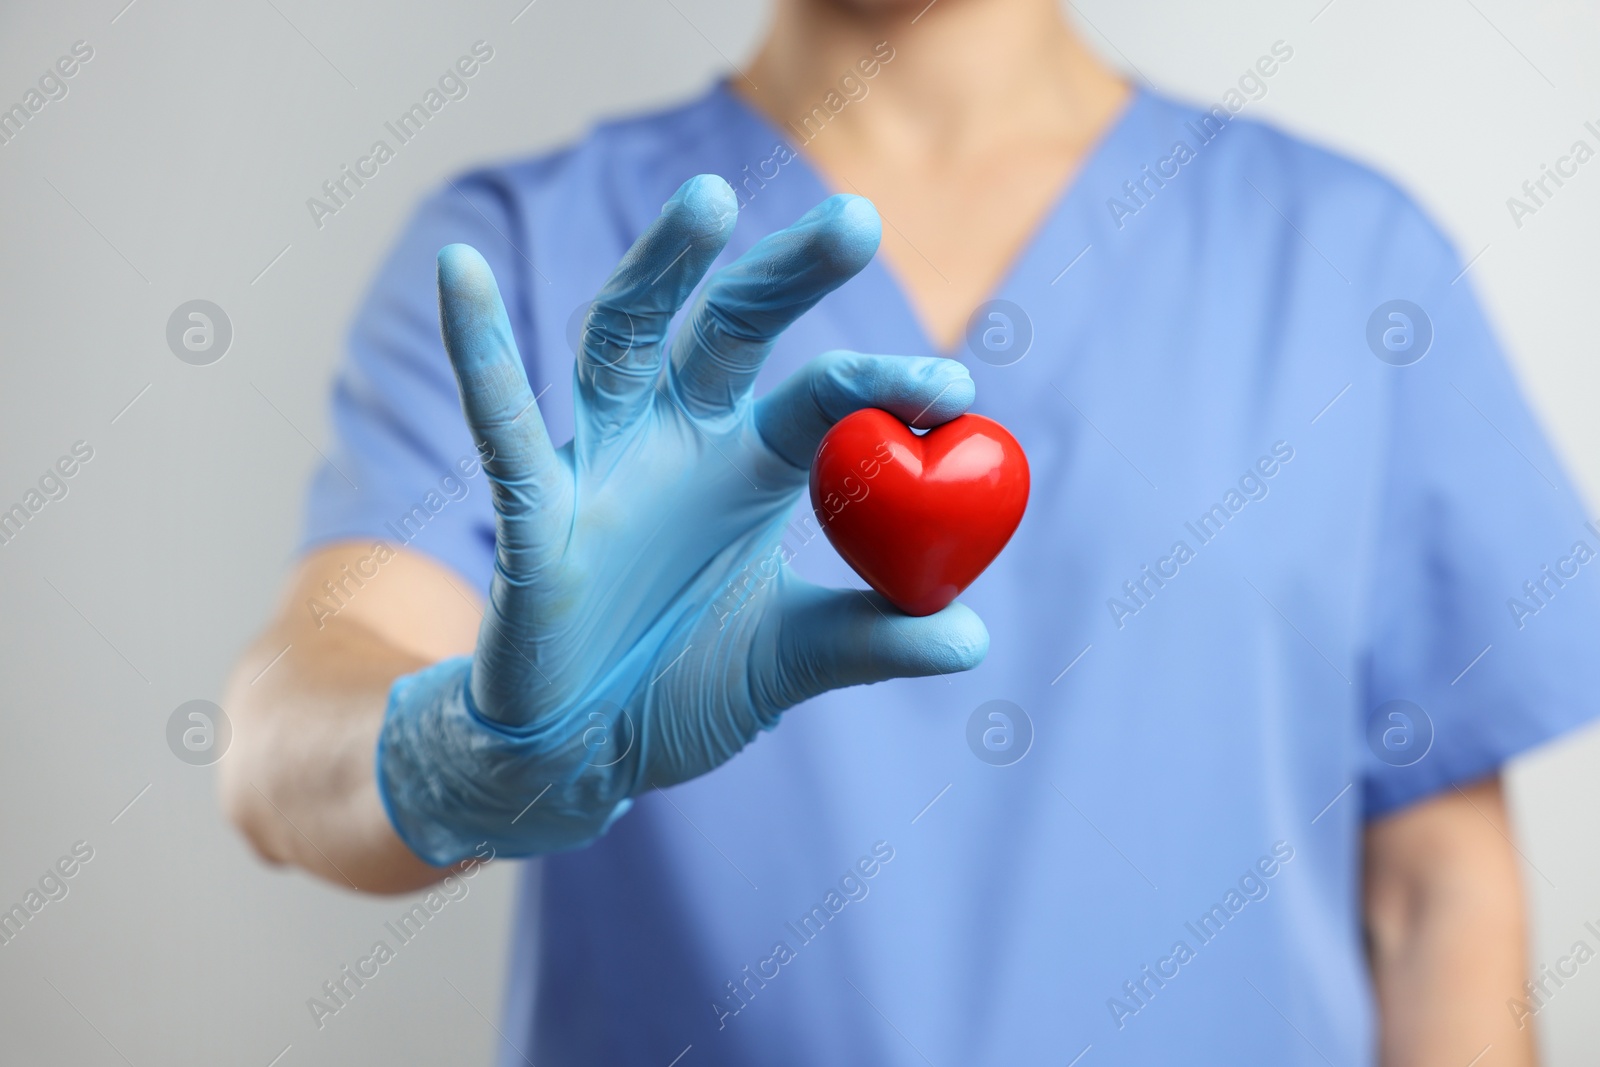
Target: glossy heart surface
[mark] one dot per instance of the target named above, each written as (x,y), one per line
(919,516)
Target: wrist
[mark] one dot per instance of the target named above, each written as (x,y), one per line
(452,782)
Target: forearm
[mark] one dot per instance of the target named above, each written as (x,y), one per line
(299,780)
(1448,939)
(1444,991)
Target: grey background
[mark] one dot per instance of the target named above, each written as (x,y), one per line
(178,167)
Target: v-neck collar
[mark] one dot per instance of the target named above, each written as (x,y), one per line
(1070,210)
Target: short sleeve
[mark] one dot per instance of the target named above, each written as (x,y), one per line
(1483,612)
(403,467)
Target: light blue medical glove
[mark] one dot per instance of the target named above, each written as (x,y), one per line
(610,660)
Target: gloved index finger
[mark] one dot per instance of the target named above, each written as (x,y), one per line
(922,391)
(746,305)
(495,398)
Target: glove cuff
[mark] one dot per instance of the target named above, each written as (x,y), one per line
(406,788)
(451,781)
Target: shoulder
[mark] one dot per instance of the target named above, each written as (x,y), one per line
(1249,173)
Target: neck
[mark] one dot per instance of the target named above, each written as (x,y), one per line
(965,76)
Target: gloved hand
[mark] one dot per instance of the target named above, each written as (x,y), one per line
(609,661)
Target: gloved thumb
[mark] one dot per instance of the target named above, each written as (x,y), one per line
(821,639)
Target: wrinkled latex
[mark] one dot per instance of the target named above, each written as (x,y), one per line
(641,628)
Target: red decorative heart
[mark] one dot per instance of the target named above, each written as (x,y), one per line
(919,517)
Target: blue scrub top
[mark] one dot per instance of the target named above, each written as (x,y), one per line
(1297,556)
